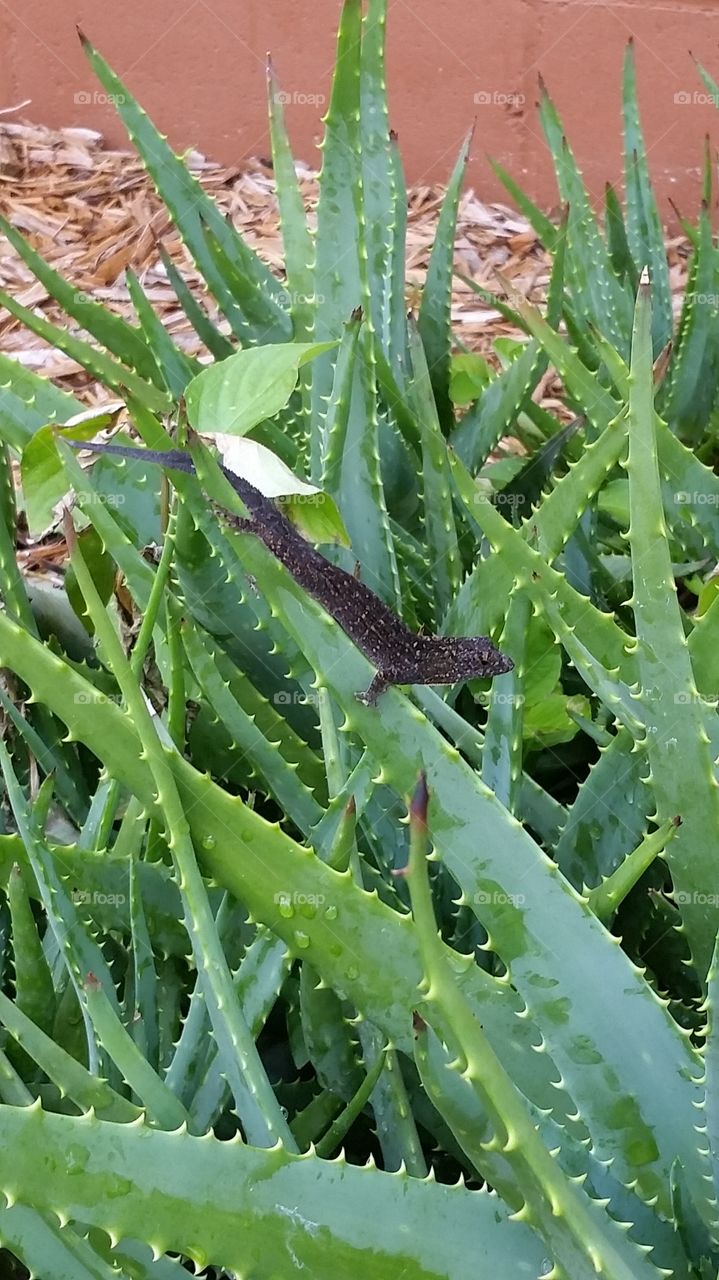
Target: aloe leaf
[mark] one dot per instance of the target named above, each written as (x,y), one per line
(692,388)
(110,330)
(536,807)
(678,732)
(595,289)
(160,1104)
(441,532)
(711,1058)
(117,377)
(217,344)
(382,987)
(644,227)
(51,756)
(330,1043)
(258,982)
(34,992)
(340,217)
(379,175)
(704,650)
(269,721)
(499,405)
(296,238)
(396,291)
(192,211)
(690,489)
(580,1237)
(28,401)
(176,369)
(279,777)
(51,1250)
(433,320)
(100,882)
(608,816)
(551,911)
(343,1122)
(250,1209)
(352,468)
(617,240)
(592,638)
(81,952)
(144,985)
(543,226)
(502,750)
(453,1094)
(607,897)
(253,1095)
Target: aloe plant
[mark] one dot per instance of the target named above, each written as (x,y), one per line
(290,982)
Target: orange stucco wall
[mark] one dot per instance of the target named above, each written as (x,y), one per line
(198,68)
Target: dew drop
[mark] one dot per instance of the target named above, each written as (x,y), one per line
(352,973)
(209,842)
(302,940)
(331,913)
(287,910)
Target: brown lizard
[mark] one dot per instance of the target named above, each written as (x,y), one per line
(400,655)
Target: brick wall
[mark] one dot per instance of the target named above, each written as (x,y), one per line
(198,68)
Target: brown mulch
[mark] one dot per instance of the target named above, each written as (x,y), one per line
(92,213)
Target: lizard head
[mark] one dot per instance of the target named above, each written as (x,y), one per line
(454,658)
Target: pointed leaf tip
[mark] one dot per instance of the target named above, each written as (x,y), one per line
(420,801)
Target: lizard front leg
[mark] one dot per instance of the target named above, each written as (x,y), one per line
(379,683)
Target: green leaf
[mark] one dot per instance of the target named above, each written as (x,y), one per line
(44,481)
(195,214)
(434,319)
(678,741)
(644,227)
(469,374)
(109,329)
(263,1212)
(235,395)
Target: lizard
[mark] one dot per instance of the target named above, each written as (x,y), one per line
(400,655)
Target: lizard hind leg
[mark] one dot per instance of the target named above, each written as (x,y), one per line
(377,686)
(240,524)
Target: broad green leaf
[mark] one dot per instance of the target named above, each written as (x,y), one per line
(236,394)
